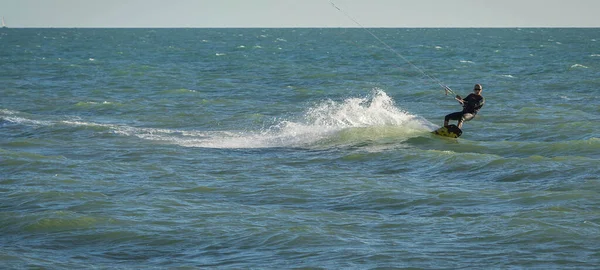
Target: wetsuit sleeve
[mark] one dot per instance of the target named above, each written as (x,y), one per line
(480,103)
(473,103)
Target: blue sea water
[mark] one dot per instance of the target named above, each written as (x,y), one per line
(298,148)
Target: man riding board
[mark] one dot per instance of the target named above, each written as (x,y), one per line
(471,105)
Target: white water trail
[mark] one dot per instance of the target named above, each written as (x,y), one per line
(353,120)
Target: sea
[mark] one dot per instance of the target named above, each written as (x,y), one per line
(298,148)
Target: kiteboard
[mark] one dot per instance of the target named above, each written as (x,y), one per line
(451,131)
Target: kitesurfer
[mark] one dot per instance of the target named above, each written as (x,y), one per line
(471,105)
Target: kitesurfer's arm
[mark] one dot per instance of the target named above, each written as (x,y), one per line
(460,100)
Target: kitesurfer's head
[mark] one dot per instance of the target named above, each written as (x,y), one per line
(477,88)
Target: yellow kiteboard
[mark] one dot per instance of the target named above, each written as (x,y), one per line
(451,131)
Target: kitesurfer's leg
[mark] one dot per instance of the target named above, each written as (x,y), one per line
(465,117)
(452,116)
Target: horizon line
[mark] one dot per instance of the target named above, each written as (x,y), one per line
(300,27)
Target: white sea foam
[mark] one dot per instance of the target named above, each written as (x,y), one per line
(365,118)
(9,112)
(352,120)
(339,122)
(83,103)
(26,121)
(578,66)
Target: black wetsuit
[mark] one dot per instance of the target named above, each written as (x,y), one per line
(471,105)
